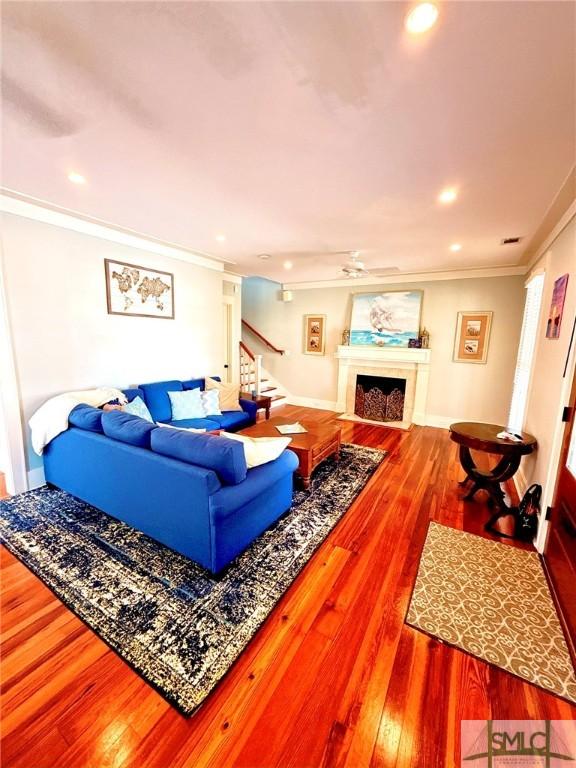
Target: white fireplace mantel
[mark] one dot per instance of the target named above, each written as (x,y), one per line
(404,362)
(383,354)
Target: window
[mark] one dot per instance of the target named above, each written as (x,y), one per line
(525,353)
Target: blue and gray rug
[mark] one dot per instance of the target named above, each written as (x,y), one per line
(179,628)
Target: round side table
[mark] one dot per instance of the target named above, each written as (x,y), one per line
(483,437)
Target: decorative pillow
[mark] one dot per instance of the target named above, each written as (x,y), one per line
(229,394)
(186,404)
(260,450)
(182,429)
(138,408)
(211,402)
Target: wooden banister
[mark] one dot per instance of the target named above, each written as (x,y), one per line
(247,350)
(263,339)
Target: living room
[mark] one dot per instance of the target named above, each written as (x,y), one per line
(287,368)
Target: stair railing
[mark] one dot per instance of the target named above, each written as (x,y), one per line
(263,339)
(250,370)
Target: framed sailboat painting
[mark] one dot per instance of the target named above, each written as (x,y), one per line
(388,319)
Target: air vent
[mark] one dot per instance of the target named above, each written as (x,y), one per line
(510,240)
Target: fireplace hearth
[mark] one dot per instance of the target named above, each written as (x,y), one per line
(379,398)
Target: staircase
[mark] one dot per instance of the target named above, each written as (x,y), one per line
(253,377)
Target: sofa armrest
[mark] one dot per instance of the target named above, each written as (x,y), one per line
(249,407)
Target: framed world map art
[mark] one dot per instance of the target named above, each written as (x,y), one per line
(139,291)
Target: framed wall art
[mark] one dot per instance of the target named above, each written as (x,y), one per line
(314,334)
(556,308)
(387,319)
(138,291)
(472,337)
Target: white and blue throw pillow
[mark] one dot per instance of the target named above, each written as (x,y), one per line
(186,405)
(211,402)
(138,408)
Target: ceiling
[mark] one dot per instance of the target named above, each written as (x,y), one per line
(297,129)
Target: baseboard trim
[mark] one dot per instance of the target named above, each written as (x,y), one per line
(443,422)
(36,478)
(310,402)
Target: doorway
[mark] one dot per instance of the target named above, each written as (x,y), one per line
(560,551)
(12,461)
(227,334)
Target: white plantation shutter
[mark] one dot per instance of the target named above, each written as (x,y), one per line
(526,353)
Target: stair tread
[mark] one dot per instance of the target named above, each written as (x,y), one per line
(278,397)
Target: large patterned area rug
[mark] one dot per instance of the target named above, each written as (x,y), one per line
(492,600)
(178,627)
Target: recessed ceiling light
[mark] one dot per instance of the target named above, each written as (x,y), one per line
(448,195)
(287,265)
(421,18)
(76,178)
(455,247)
(263,256)
(221,238)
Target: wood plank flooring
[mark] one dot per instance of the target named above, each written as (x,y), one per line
(334,678)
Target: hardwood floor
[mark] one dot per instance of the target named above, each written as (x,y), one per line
(334,678)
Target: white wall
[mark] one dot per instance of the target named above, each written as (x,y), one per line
(456,390)
(63,336)
(549,389)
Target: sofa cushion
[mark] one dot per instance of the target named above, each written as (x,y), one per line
(137,407)
(186,429)
(157,400)
(193,384)
(86,417)
(207,424)
(211,402)
(186,404)
(133,392)
(127,428)
(261,450)
(229,394)
(223,456)
(233,420)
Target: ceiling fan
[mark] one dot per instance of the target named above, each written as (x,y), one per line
(355,268)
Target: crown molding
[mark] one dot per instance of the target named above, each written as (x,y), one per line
(17,204)
(411,277)
(554,220)
(558,229)
(233,277)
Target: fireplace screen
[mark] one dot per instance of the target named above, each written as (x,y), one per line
(380,398)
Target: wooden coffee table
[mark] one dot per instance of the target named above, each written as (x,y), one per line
(311,447)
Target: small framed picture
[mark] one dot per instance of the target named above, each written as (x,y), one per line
(314,334)
(556,308)
(472,337)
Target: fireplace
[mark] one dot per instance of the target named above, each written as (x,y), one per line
(409,365)
(379,398)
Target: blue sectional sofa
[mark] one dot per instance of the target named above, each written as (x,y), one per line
(191,492)
(155,395)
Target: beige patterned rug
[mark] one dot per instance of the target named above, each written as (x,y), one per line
(493,601)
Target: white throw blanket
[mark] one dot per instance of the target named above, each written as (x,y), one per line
(52,418)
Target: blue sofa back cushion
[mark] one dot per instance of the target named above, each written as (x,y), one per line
(208,451)
(86,417)
(197,383)
(133,393)
(157,400)
(127,428)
